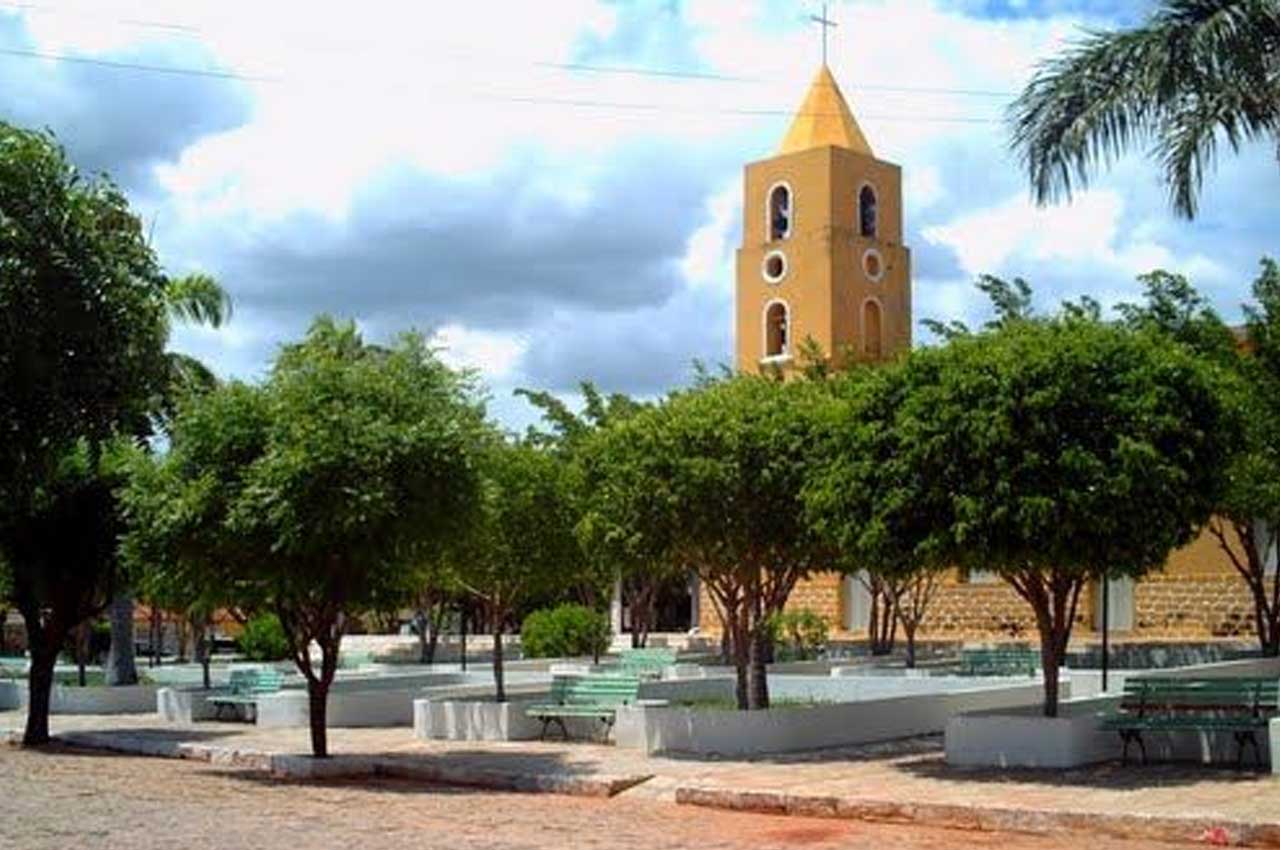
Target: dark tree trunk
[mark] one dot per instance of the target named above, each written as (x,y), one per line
(910,631)
(201,633)
(462,617)
(122,668)
(499,683)
(318,704)
(82,653)
(1054,601)
(759,683)
(43,641)
(157,635)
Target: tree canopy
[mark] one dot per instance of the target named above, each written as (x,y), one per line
(712,479)
(309,494)
(1056,451)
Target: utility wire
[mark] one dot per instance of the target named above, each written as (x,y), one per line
(576,67)
(520,99)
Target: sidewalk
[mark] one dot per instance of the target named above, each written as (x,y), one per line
(904,781)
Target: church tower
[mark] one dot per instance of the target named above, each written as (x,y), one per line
(822,255)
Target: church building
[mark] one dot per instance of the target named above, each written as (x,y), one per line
(823,258)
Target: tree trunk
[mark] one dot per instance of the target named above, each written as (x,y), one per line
(759,683)
(318,705)
(200,631)
(500,688)
(909,629)
(122,667)
(157,635)
(462,616)
(1054,602)
(42,645)
(82,652)
(421,620)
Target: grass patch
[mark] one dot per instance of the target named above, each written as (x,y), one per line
(723,704)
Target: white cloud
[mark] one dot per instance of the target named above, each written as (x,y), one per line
(494,355)
(1016,234)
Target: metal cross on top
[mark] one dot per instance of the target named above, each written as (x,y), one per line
(826,24)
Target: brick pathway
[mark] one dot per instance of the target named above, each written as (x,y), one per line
(56,800)
(894,777)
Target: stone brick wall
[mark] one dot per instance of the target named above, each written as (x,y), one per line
(1182,606)
(1197,595)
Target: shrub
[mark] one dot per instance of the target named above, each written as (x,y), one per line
(564,631)
(802,634)
(263,639)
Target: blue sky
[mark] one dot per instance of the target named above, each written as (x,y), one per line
(460,171)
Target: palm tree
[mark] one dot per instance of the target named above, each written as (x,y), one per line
(1195,73)
(194,299)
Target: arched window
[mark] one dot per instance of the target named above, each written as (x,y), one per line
(869,223)
(776,329)
(871,345)
(779,212)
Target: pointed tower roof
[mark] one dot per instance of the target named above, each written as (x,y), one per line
(824,119)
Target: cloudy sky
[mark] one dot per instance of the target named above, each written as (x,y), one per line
(552,189)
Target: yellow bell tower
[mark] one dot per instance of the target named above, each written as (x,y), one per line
(822,255)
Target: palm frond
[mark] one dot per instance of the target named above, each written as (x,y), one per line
(1197,71)
(198,299)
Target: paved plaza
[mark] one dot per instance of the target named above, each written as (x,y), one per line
(906,782)
(60,799)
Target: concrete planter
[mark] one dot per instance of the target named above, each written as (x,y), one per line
(475,720)
(186,705)
(129,699)
(11,696)
(1025,738)
(744,733)
(476,717)
(354,701)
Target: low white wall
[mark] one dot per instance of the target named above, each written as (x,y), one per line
(11,695)
(186,705)
(363,701)
(64,699)
(469,714)
(780,730)
(477,720)
(1026,738)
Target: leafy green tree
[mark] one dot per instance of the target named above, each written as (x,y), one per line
(66,565)
(309,495)
(712,478)
(568,434)
(1197,72)
(1056,451)
(194,299)
(523,539)
(1247,517)
(82,333)
(864,499)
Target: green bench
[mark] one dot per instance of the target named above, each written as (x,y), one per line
(591,696)
(1002,661)
(247,685)
(1241,706)
(353,660)
(647,663)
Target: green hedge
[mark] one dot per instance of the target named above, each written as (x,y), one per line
(263,639)
(565,631)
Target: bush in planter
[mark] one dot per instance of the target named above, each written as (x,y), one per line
(565,631)
(802,634)
(263,639)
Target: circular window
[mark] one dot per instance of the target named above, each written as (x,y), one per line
(774,268)
(873,265)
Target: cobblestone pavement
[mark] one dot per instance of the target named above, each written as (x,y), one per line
(65,799)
